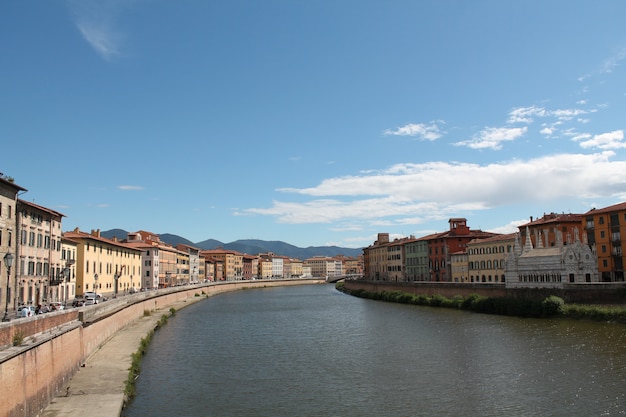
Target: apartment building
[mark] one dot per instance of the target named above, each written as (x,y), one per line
(296,267)
(67,285)
(486,258)
(442,245)
(9,192)
(265,267)
(232,261)
(552,229)
(323,266)
(106,266)
(38,263)
(375,258)
(603,229)
(250,267)
(189,263)
(417,261)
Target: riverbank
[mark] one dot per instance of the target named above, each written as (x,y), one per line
(83,368)
(550,306)
(98,388)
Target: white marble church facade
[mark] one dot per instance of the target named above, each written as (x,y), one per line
(571,262)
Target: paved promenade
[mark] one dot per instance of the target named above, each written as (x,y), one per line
(97,389)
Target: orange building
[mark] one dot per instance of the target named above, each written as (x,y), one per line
(604,230)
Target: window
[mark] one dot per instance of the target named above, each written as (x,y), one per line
(601,220)
(9,238)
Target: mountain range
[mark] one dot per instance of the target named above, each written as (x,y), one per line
(249,246)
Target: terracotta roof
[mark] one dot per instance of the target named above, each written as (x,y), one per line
(609,209)
(554,218)
(76,234)
(42,208)
(497,238)
(11,184)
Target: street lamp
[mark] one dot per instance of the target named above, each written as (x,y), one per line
(95,285)
(8,261)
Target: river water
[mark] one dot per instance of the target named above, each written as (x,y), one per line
(313,351)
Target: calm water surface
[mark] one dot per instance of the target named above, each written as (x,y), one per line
(313,351)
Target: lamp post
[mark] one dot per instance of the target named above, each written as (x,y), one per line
(8,261)
(95,285)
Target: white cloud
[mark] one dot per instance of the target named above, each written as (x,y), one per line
(526,114)
(511,227)
(130,187)
(421,130)
(610,140)
(492,137)
(413,193)
(95,19)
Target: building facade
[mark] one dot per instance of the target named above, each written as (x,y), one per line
(39,266)
(9,192)
(604,229)
(105,266)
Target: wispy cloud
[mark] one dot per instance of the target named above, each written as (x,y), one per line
(425,131)
(129,187)
(492,137)
(608,65)
(95,19)
(604,141)
(526,114)
(414,193)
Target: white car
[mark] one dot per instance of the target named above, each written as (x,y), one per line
(26,311)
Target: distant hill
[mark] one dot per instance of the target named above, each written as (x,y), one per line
(115,233)
(249,246)
(175,240)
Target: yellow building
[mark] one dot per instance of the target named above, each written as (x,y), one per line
(265,268)
(103,265)
(486,258)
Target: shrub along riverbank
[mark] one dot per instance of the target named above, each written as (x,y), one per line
(551,306)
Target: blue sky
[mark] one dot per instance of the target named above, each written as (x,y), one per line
(313,122)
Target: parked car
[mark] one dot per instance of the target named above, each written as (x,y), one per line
(26,311)
(90,301)
(56,306)
(78,302)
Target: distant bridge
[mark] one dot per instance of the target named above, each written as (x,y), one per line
(335,278)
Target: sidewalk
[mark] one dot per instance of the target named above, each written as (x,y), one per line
(97,389)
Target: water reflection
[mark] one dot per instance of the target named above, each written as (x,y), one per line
(312,351)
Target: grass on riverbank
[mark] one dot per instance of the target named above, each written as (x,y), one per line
(135,367)
(551,306)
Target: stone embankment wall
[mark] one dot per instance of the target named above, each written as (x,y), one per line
(56,344)
(595,293)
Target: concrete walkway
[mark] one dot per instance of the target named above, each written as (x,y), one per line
(97,389)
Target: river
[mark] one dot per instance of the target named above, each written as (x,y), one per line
(313,351)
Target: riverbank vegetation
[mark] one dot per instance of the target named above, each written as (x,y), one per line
(551,306)
(135,365)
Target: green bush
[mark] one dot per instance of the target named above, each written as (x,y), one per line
(552,305)
(18,338)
